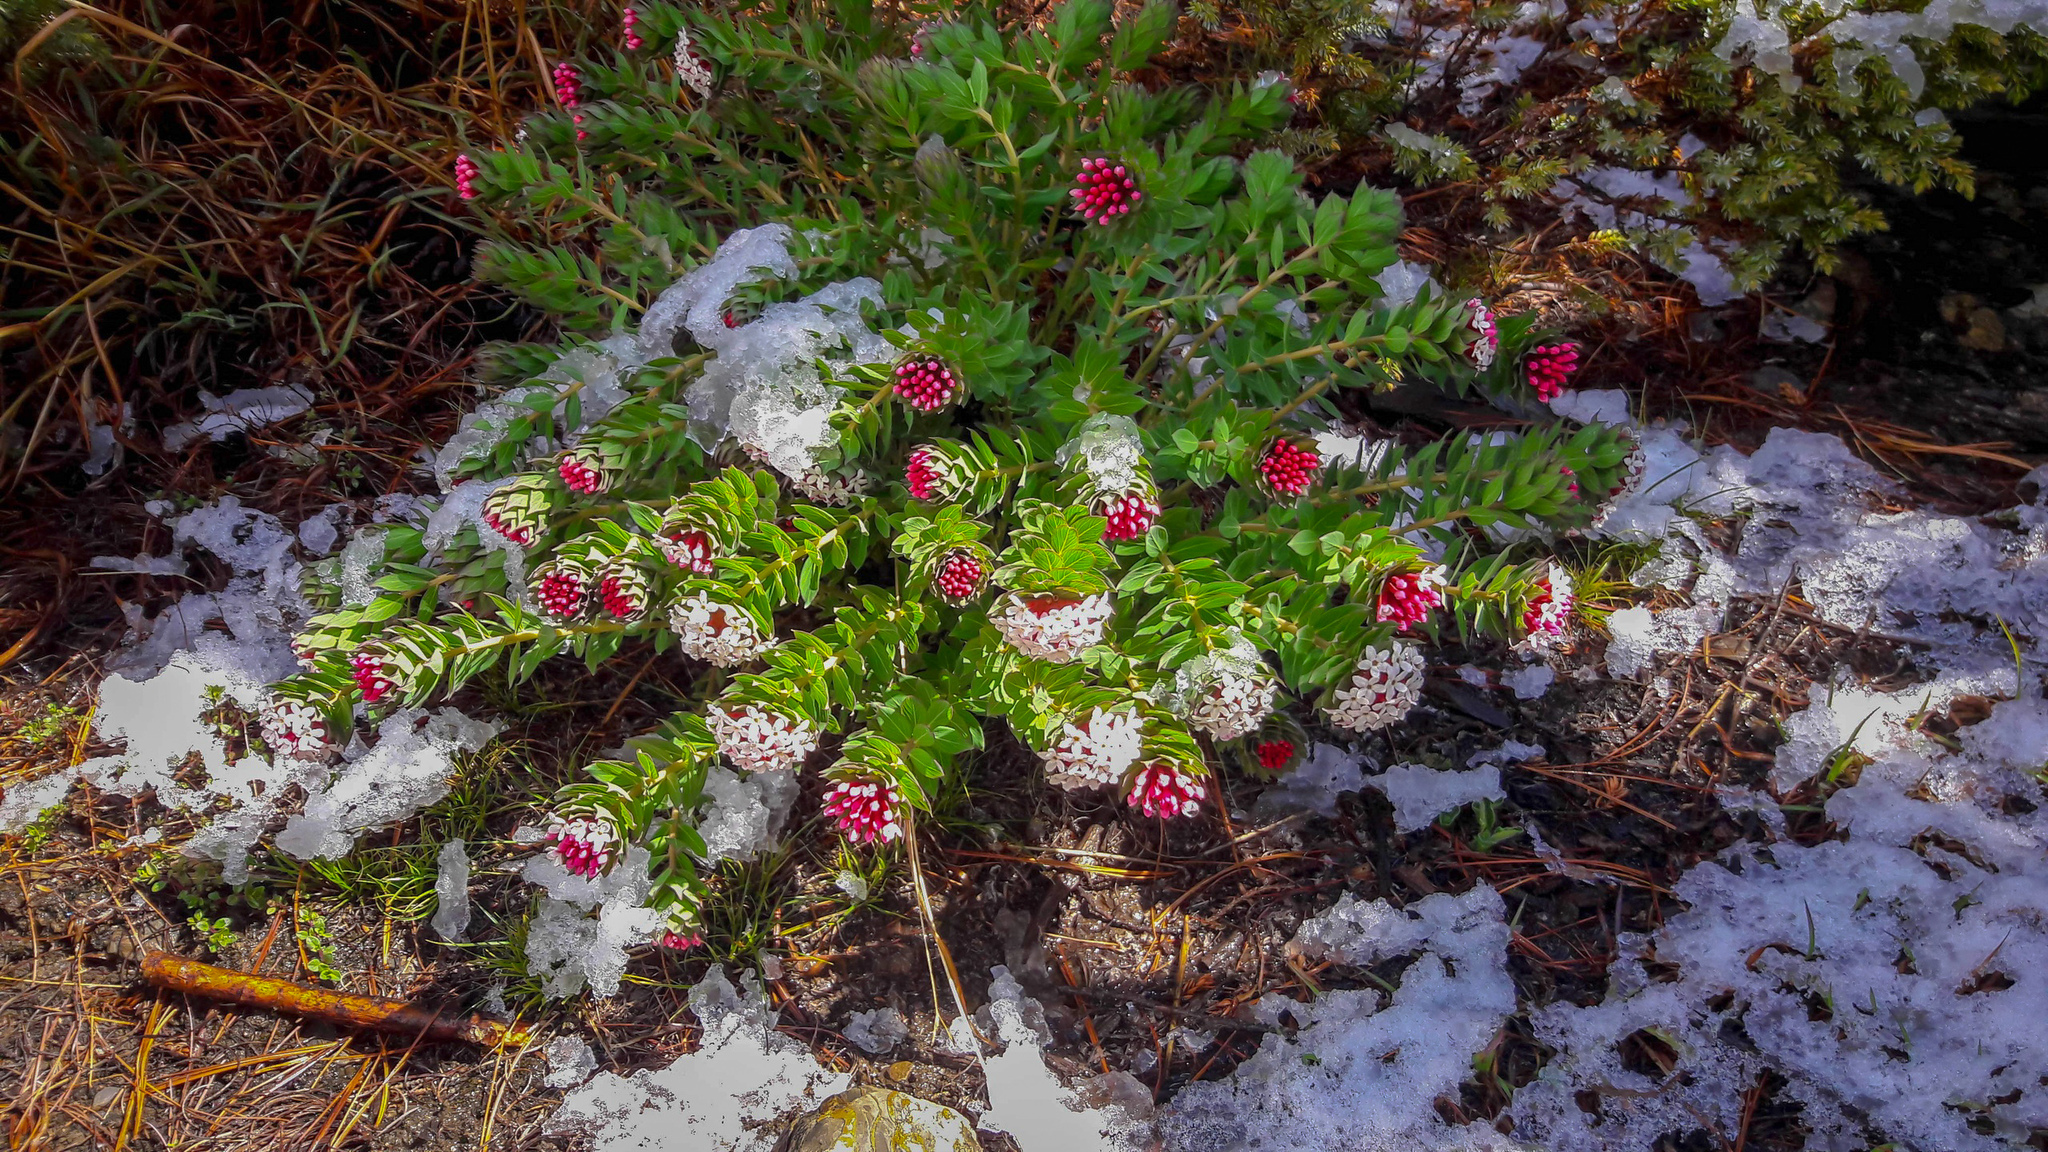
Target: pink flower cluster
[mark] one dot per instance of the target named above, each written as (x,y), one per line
(368,670)
(1549,366)
(1274,754)
(926,385)
(1104,191)
(1290,469)
(519,534)
(466,173)
(569,92)
(1408,598)
(960,576)
(620,597)
(1165,791)
(581,476)
(1572,477)
(1130,516)
(919,474)
(583,844)
(627,19)
(561,592)
(680,941)
(864,811)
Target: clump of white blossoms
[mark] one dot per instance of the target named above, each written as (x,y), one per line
(1054,628)
(715,633)
(828,488)
(1097,752)
(761,741)
(1548,616)
(1227,693)
(1384,686)
(296,730)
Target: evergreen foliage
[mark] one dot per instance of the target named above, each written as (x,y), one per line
(1766,115)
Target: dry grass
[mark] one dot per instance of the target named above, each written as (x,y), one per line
(240,194)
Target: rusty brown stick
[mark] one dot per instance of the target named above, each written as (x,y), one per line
(344,1009)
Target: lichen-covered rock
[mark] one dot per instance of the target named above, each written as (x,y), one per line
(881,1120)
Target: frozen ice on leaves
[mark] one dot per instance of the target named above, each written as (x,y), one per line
(764,385)
(1108,449)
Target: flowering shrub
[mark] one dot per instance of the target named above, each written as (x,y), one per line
(929,394)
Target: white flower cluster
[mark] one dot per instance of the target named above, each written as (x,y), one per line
(1633,470)
(1485,337)
(1233,705)
(716,633)
(1226,693)
(1096,752)
(1384,686)
(1548,619)
(690,67)
(835,491)
(296,730)
(761,741)
(1054,628)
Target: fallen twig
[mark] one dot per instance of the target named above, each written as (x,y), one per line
(346,1009)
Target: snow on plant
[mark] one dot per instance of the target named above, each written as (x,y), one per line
(863,404)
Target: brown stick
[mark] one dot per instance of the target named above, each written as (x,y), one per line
(346,1009)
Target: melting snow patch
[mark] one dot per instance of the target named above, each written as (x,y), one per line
(1529,682)
(1359,1075)
(878,1031)
(570,1062)
(1420,793)
(411,767)
(451,891)
(746,814)
(1313,787)
(724,1097)
(238,411)
(1893,978)
(579,935)
(1028,1102)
